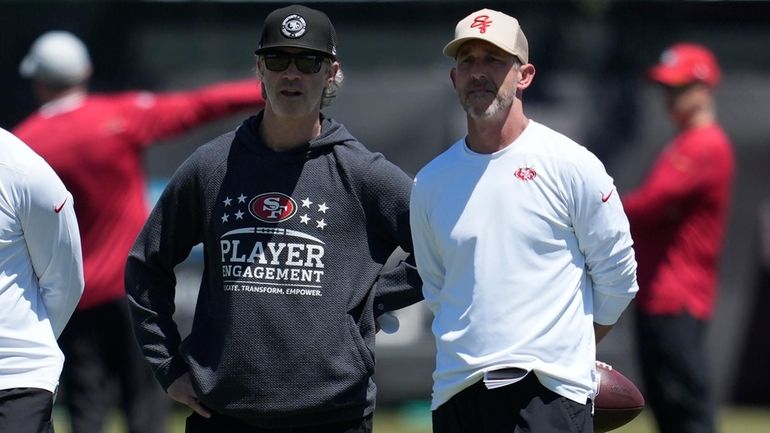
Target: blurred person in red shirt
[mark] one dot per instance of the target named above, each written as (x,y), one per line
(94,142)
(678,219)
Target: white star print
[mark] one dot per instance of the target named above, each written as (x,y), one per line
(306,202)
(225,217)
(304,219)
(227,201)
(239,215)
(322,207)
(241,198)
(320,224)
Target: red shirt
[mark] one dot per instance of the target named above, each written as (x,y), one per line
(95,143)
(678,219)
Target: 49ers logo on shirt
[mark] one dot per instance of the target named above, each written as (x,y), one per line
(525,173)
(272,207)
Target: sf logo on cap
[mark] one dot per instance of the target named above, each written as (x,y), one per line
(482,22)
(293,26)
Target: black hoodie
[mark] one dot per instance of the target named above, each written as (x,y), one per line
(294,245)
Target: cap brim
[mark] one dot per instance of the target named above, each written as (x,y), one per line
(269,48)
(450,50)
(27,67)
(669,76)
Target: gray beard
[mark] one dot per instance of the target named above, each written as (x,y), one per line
(502,102)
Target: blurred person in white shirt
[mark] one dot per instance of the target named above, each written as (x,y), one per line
(41,281)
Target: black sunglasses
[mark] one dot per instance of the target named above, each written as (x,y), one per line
(305,63)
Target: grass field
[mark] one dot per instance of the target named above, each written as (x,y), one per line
(415,418)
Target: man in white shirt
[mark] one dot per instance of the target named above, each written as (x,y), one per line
(41,280)
(523,248)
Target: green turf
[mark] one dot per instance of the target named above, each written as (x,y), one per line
(415,418)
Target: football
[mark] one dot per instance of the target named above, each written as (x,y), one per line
(617,401)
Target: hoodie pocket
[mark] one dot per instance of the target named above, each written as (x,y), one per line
(365,356)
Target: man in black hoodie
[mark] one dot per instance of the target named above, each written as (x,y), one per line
(297,219)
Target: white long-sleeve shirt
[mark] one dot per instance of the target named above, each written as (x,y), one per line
(520,252)
(41,268)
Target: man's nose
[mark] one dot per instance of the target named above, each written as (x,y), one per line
(478,72)
(292,71)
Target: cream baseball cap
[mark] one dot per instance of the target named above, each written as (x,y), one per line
(494,27)
(57,57)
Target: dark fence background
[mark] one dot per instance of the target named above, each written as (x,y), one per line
(397,98)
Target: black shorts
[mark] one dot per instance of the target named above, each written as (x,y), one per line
(220,423)
(525,406)
(26,410)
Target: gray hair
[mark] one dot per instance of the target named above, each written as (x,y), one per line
(330,91)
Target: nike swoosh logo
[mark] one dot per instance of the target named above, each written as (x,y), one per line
(61,206)
(607,197)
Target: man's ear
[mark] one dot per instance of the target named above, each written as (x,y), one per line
(258,68)
(526,75)
(453,77)
(332,72)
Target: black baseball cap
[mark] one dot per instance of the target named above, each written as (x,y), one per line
(298,26)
